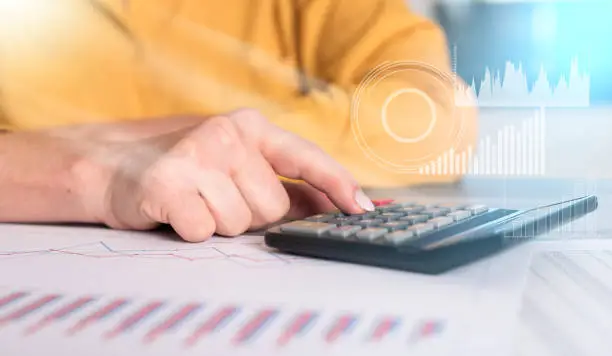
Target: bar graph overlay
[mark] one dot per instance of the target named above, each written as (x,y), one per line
(189,324)
(514,150)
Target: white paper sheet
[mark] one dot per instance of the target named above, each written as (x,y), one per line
(567,304)
(264,303)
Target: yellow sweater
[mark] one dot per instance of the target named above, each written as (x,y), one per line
(298,61)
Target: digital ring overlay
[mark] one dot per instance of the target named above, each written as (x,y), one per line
(379,74)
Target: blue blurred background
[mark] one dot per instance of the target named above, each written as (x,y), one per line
(535,34)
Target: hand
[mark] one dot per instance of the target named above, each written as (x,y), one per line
(216,175)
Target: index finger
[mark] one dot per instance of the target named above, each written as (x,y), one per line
(293,157)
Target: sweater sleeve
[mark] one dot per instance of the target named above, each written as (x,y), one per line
(383,101)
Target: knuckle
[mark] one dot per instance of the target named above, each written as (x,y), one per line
(200,232)
(249,121)
(277,210)
(223,130)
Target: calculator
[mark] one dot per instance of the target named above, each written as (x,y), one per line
(429,238)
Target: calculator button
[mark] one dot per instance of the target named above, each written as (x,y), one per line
(451,206)
(405,204)
(414,219)
(371,234)
(411,210)
(319,218)
(477,209)
(459,215)
(347,220)
(368,222)
(364,216)
(388,208)
(441,221)
(389,216)
(399,237)
(420,229)
(435,212)
(307,227)
(344,231)
(395,225)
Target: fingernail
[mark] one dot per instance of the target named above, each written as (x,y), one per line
(363,201)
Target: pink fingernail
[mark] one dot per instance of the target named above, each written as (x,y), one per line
(363,201)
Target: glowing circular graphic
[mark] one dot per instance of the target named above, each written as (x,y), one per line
(437,124)
(429,102)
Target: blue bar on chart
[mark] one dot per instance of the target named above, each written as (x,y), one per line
(296,327)
(343,325)
(384,327)
(60,314)
(109,309)
(11,298)
(173,321)
(255,326)
(29,309)
(213,324)
(132,320)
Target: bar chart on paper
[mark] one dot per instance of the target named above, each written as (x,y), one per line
(196,325)
(514,150)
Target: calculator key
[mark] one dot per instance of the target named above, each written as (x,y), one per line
(389,216)
(344,231)
(405,204)
(399,237)
(395,225)
(451,206)
(347,220)
(369,222)
(435,212)
(420,229)
(364,216)
(388,208)
(477,209)
(312,228)
(459,215)
(371,234)
(415,219)
(319,218)
(441,221)
(411,210)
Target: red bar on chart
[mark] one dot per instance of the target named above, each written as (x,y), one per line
(255,325)
(98,315)
(60,314)
(296,327)
(384,328)
(134,319)
(28,309)
(172,322)
(340,327)
(427,329)
(11,298)
(214,324)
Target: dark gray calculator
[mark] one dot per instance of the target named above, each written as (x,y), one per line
(423,238)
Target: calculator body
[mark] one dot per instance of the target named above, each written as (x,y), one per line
(430,246)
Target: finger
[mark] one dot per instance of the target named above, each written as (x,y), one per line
(306,200)
(188,214)
(294,157)
(262,190)
(225,202)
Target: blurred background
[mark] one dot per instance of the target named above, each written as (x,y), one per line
(542,74)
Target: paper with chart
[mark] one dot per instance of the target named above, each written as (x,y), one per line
(567,303)
(101,292)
